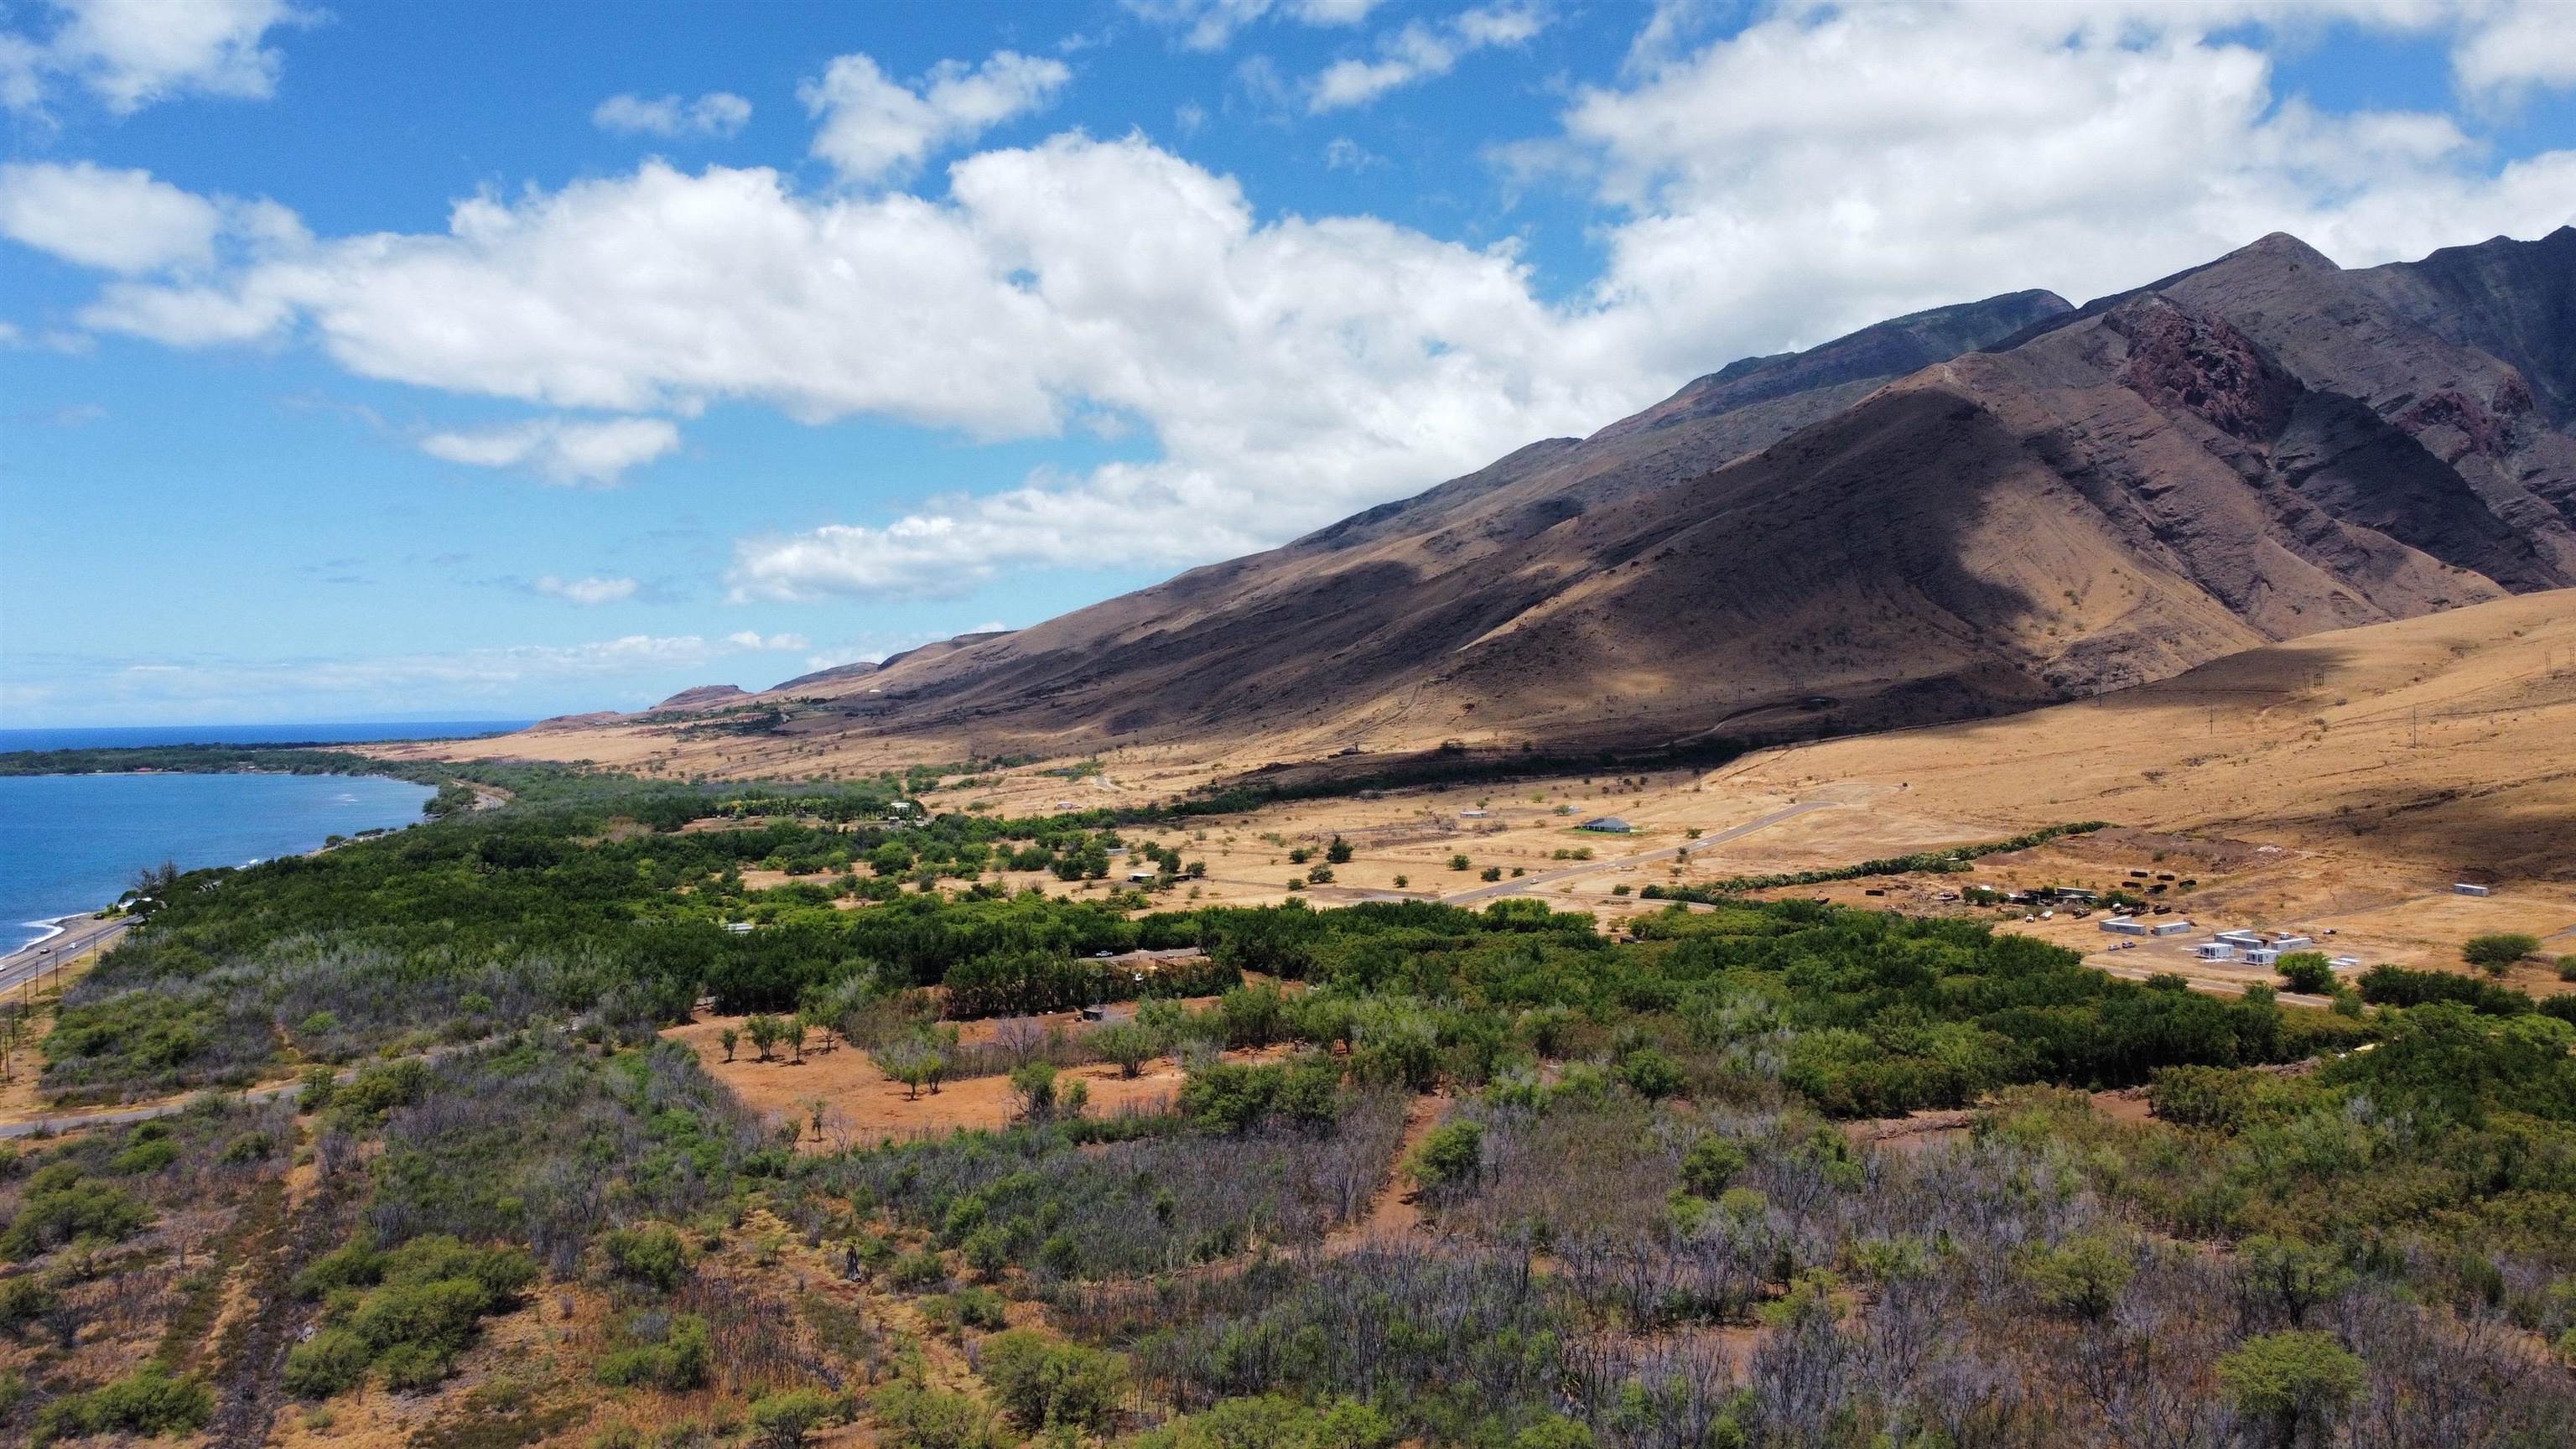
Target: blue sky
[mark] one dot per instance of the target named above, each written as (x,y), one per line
(388,360)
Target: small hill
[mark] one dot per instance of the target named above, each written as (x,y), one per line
(705,696)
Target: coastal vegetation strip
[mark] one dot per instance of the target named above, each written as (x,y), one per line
(1632,1219)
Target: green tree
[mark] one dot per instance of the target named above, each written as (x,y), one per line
(1127,1043)
(1452,1154)
(2296,1383)
(2083,1276)
(783,1419)
(913,1061)
(1710,1166)
(1651,1074)
(2290,1275)
(2495,954)
(2307,971)
(1033,1084)
(1044,1384)
(1339,852)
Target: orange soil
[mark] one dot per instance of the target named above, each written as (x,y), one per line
(1396,1211)
(863,1105)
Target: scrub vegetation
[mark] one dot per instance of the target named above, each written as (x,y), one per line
(1776,1174)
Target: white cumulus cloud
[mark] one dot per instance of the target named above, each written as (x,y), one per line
(590,591)
(872,127)
(1419,52)
(117,220)
(1818,170)
(2516,46)
(131,53)
(1209,24)
(561,450)
(717,113)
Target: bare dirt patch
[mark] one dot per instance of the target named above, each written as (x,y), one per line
(1396,1211)
(862,1105)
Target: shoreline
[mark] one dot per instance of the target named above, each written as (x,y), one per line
(78,934)
(52,926)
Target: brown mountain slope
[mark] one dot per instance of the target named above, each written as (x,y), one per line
(2448,742)
(2261,448)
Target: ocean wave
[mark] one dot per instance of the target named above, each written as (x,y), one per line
(45,930)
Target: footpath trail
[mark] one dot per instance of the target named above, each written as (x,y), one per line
(1396,1210)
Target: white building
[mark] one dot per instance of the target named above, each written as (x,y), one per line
(2123,926)
(2463,888)
(2214,951)
(2170,928)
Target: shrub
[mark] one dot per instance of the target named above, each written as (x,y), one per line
(1127,1043)
(2292,1380)
(1033,1084)
(377,1090)
(2306,971)
(428,1299)
(1556,1431)
(149,1402)
(909,1416)
(50,1215)
(915,1271)
(2397,986)
(783,1419)
(2082,1277)
(1710,1166)
(24,1299)
(654,1257)
(671,1355)
(2496,953)
(1236,1096)
(1650,1074)
(1043,1384)
(1452,1154)
(333,1361)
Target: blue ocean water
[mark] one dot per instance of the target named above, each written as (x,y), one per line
(126,737)
(71,843)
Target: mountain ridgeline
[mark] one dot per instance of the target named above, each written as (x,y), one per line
(1970,510)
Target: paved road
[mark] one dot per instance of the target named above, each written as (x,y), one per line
(1528,883)
(78,938)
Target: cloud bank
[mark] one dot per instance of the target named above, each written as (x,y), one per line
(1820,168)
